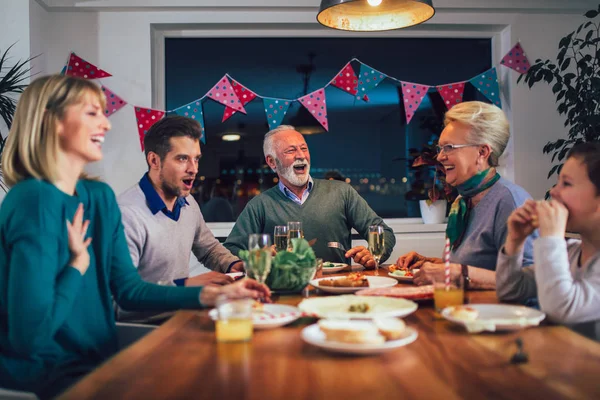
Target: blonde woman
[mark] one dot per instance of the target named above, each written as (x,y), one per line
(474,138)
(63,254)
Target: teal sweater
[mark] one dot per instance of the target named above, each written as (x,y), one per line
(51,317)
(331,210)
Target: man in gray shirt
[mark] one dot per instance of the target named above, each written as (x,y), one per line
(163,223)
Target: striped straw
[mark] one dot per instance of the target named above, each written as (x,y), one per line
(447,263)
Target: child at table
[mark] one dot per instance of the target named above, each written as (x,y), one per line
(566,274)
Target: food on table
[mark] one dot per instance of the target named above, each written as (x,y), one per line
(329,265)
(390,328)
(404,292)
(354,279)
(347,331)
(257,306)
(360,307)
(400,271)
(465,313)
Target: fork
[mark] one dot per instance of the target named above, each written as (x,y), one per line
(337,245)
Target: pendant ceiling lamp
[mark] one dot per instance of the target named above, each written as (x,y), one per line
(373,15)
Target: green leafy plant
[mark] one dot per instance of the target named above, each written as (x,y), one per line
(427,157)
(576,84)
(12,80)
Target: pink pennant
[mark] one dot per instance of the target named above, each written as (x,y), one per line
(516,59)
(223,93)
(315,104)
(79,67)
(346,80)
(452,93)
(113,102)
(243,93)
(413,94)
(146,117)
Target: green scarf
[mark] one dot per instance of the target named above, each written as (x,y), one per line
(458,218)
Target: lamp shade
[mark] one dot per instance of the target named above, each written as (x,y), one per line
(361,16)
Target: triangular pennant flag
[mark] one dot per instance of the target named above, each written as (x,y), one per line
(275,110)
(63,70)
(223,93)
(79,67)
(315,104)
(146,117)
(243,93)
(516,59)
(413,94)
(368,79)
(113,102)
(193,110)
(451,93)
(346,80)
(487,84)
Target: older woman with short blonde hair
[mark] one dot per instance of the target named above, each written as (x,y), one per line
(474,137)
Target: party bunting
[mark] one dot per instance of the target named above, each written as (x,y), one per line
(413,94)
(275,110)
(243,93)
(193,110)
(77,66)
(452,93)
(113,102)
(315,104)
(346,80)
(368,79)
(223,93)
(487,84)
(516,59)
(146,117)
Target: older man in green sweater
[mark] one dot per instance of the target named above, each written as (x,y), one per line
(327,209)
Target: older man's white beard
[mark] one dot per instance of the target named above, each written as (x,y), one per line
(289,174)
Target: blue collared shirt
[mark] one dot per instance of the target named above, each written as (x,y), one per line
(292,196)
(156,204)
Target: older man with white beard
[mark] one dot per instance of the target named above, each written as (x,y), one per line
(327,209)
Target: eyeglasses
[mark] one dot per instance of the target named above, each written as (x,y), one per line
(448,148)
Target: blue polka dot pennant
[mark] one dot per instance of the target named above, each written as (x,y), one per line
(368,79)
(487,84)
(275,110)
(194,111)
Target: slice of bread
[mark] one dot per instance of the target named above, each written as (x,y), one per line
(465,313)
(350,331)
(390,328)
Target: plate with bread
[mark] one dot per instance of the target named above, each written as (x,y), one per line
(357,307)
(493,317)
(351,283)
(359,337)
(267,316)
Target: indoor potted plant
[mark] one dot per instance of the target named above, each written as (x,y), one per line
(575,75)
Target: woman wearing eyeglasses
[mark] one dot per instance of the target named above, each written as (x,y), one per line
(474,138)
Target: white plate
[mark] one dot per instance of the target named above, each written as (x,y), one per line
(313,335)
(402,278)
(375,282)
(335,266)
(337,307)
(235,275)
(272,316)
(498,317)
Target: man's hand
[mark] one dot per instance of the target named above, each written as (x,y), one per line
(237,267)
(209,278)
(430,272)
(521,223)
(241,289)
(361,255)
(414,260)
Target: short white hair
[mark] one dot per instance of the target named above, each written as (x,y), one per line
(268,147)
(488,126)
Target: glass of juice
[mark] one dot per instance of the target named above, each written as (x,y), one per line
(234,320)
(280,237)
(448,295)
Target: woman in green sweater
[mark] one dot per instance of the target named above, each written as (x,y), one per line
(63,254)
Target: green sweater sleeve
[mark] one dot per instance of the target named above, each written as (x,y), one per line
(129,290)
(251,220)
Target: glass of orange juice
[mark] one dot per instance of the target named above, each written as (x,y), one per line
(448,295)
(234,319)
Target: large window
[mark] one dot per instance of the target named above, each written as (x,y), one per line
(368,143)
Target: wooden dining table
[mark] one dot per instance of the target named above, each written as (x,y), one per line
(182,360)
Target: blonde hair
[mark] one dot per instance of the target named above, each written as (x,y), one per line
(32,144)
(488,126)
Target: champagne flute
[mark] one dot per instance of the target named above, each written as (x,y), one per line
(294,232)
(280,237)
(259,257)
(376,244)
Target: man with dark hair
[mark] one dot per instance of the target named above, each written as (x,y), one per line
(163,223)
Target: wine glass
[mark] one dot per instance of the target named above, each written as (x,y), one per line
(294,232)
(376,244)
(280,237)
(259,257)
